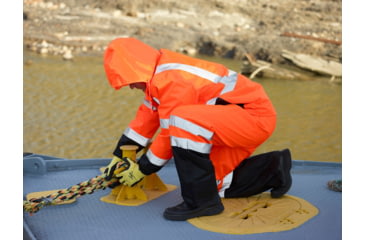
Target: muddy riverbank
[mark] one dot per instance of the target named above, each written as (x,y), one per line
(229,28)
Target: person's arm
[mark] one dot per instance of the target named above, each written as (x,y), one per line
(140,130)
(160,152)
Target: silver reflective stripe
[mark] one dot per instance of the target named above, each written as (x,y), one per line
(164,123)
(156,160)
(190,145)
(190,69)
(227,180)
(211,101)
(130,133)
(190,127)
(148,104)
(231,72)
(156,100)
(229,83)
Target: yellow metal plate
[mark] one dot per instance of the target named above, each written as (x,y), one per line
(133,197)
(258,214)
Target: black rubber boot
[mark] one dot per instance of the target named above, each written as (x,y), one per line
(284,174)
(182,211)
(198,186)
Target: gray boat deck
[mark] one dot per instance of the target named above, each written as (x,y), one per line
(89,218)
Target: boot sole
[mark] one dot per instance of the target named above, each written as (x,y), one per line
(214,210)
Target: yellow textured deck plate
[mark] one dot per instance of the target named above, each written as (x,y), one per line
(150,195)
(258,214)
(45,194)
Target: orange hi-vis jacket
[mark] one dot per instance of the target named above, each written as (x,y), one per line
(183,99)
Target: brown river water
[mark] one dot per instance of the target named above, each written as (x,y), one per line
(70,111)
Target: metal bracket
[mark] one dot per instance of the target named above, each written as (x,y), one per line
(34,165)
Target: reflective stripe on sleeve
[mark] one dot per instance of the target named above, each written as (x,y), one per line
(130,133)
(190,145)
(190,127)
(164,123)
(148,104)
(156,160)
(156,100)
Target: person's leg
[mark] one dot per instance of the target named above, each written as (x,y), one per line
(227,133)
(260,173)
(195,131)
(198,186)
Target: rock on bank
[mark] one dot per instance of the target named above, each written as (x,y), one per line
(226,28)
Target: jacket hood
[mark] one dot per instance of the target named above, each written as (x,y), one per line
(128,60)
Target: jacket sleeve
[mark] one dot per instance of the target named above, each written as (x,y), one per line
(160,151)
(141,129)
(124,140)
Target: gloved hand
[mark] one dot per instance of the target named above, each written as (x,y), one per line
(131,175)
(109,171)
